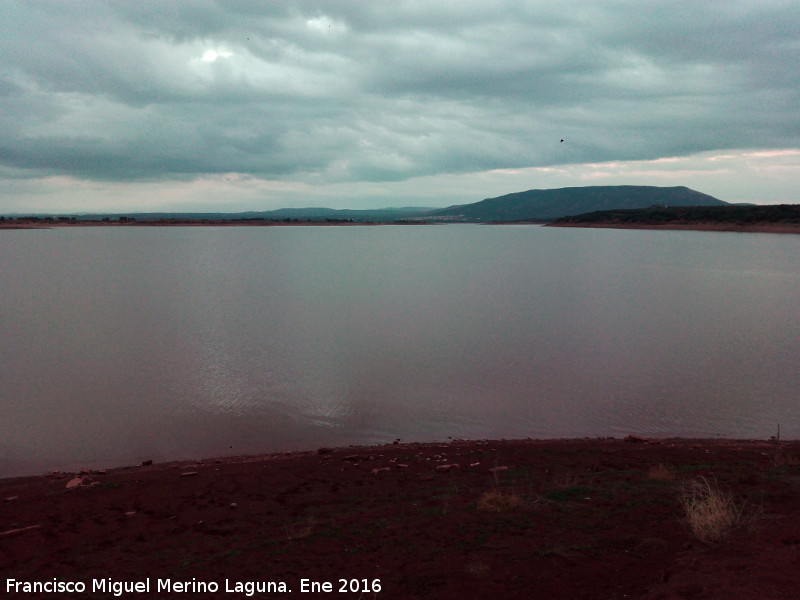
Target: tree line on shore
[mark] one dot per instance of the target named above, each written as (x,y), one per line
(779,214)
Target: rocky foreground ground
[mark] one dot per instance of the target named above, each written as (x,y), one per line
(554,519)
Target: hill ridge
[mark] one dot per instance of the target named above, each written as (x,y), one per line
(554,203)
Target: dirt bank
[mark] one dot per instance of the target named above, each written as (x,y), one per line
(558,519)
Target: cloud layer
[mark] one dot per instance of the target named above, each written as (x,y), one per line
(318,94)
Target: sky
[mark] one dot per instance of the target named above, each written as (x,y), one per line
(226,106)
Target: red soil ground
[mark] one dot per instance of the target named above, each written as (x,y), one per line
(587,519)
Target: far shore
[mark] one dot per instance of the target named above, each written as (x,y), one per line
(676,226)
(672,226)
(210,223)
(730,227)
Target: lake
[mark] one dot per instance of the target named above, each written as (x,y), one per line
(121,344)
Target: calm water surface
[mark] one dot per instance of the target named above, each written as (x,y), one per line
(124,344)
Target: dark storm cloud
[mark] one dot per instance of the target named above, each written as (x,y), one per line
(374,91)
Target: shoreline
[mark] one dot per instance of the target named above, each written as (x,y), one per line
(558,518)
(371,449)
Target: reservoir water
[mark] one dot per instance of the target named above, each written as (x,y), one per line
(132,343)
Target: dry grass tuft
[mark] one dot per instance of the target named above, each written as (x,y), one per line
(301,529)
(566,480)
(782,458)
(497,501)
(661,472)
(711,513)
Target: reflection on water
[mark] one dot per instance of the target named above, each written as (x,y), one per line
(133,343)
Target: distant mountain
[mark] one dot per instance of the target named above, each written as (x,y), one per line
(366,215)
(546,205)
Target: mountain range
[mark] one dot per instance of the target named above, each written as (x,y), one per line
(532,205)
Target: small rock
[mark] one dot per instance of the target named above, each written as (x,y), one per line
(322,451)
(475,464)
(10,498)
(74,482)
(426,476)
(351,457)
(18,530)
(147,463)
(401,466)
(636,439)
(130,513)
(498,469)
(447,467)
(189,474)
(233,505)
(381,470)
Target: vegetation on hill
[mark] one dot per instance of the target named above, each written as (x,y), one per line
(773,214)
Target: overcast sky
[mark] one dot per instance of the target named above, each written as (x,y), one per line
(136,105)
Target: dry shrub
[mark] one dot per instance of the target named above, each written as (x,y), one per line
(661,472)
(711,513)
(497,501)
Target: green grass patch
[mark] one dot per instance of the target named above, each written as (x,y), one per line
(573,492)
(699,467)
(108,485)
(564,551)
